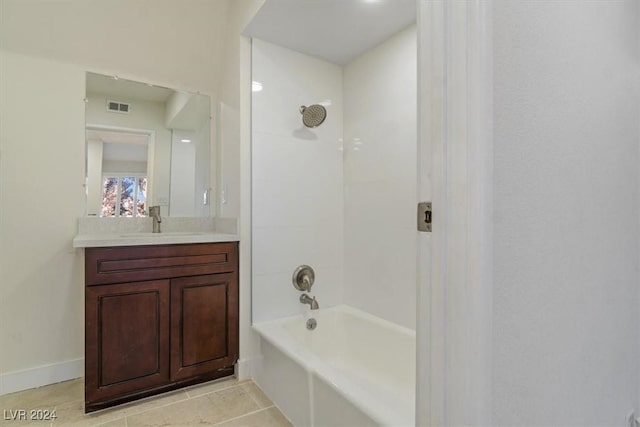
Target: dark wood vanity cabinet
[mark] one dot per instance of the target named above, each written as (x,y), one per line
(158,318)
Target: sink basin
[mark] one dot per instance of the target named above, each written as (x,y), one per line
(168,234)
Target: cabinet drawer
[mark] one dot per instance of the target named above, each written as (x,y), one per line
(139,263)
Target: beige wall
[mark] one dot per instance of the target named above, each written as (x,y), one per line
(177,42)
(42,172)
(46,46)
(229,109)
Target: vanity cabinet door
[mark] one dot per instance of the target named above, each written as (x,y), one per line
(204,324)
(127,338)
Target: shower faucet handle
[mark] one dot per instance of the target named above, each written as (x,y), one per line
(303,278)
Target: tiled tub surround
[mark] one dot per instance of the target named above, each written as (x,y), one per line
(297,186)
(221,403)
(340,197)
(102,232)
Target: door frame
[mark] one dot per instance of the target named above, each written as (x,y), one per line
(455,164)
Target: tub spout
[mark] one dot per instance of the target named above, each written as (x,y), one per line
(306,299)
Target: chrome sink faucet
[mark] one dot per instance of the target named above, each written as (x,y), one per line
(154,212)
(306,299)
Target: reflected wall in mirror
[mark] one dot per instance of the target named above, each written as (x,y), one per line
(146,145)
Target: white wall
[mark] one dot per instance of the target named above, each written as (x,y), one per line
(380,108)
(118,167)
(297,181)
(41,296)
(204,165)
(566,93)
(94,176)
(190,168)
(228,190)
(183,175)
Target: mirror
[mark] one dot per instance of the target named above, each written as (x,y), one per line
(146,145)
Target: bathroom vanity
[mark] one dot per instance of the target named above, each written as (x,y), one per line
(158,317)
(161,302)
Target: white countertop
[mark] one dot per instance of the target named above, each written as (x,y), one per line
(139,239)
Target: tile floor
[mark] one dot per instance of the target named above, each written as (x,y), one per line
(225,403)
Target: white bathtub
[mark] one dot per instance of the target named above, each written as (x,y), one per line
(354,369)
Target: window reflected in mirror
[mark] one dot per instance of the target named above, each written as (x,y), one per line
(124,196)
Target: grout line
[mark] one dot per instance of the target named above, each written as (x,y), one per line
(214,391)
(105,422)
(172,403)
(110,421)
(256,400)
(153,408)
(221,422)
(132,406)
(244,415)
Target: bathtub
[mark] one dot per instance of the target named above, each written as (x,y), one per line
(354,369)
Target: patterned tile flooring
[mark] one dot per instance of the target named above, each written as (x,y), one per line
(224,403)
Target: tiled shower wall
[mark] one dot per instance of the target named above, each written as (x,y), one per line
(380,109)
(347,209)
(297,182)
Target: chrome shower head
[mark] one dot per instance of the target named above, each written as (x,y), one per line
(313,115)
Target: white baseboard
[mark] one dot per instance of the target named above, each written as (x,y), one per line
(40,376)
(244,369)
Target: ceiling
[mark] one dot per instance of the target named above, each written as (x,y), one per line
(128,89)
(119,145)
(337,31)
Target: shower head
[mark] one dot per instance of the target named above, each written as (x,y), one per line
(313,115)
